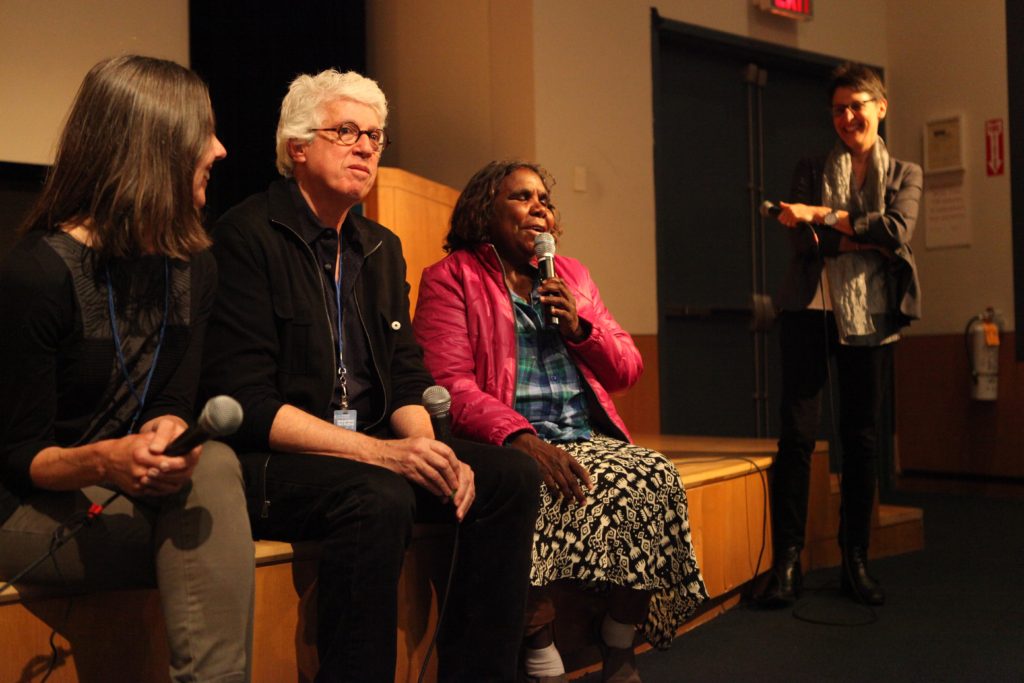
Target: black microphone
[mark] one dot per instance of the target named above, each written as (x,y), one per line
(544,248)
(221,416)
(438,403)
(773,210)
(770,210)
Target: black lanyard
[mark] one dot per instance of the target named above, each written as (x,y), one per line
(140,400)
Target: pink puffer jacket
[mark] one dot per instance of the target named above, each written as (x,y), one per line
(465,323)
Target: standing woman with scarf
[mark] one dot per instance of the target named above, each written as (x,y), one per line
(850,288)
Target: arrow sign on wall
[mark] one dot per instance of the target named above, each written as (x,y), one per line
(994,147)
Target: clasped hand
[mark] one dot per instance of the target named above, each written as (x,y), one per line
(137,466)
(434,466)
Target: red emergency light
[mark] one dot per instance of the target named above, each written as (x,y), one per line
(794,9)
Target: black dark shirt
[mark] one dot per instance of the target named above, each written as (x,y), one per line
(60,380)
(323,241)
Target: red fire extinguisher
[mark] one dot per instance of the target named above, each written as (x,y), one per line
(982,339)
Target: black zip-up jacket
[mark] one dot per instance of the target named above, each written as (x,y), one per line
(270,340)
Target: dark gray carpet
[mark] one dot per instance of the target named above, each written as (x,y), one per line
(954,612)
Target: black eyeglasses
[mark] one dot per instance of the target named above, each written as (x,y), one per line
(855,106)
(348,134)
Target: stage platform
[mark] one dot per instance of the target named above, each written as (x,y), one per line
(118,635)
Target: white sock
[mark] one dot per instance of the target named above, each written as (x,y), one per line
(544,662)
(617,634)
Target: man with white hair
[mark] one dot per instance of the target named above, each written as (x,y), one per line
(311,334)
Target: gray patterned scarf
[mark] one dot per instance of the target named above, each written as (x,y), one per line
(857,280)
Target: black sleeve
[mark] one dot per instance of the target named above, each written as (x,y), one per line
(894,227)
(409,376)
(242,345)
(37,312)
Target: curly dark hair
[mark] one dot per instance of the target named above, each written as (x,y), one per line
(473,215)
(858,78)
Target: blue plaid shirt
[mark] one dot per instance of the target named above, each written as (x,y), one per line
(549,391)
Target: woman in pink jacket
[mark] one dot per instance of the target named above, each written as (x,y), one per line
(612,513)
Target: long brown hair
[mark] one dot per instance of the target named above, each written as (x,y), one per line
(127,158)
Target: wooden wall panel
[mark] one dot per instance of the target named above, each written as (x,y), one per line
(939,428)
(639,407)
(418,211)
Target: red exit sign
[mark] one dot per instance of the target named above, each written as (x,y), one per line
(794,9)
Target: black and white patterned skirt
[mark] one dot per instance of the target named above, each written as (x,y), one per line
(633,531)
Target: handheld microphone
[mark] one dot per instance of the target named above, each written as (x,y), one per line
(438,403)
(770,209)
(221,416)
(544,248)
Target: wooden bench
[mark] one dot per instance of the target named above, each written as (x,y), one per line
(726,486)
(121,631)
(118,635)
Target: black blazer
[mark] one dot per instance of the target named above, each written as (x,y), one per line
(892,229)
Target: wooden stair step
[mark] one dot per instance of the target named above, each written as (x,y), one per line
(891,515)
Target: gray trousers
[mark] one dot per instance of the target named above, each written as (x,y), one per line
(195,547)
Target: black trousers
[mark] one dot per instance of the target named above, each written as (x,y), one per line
(363,515)
(808,338)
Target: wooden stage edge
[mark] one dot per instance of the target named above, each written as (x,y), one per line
(727,490)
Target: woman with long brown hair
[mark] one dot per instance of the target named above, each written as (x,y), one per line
(103,303)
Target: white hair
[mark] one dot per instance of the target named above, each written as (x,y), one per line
(302,107)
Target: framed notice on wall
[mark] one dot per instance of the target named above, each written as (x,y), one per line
(944,145)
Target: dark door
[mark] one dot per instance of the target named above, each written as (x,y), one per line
(732,118)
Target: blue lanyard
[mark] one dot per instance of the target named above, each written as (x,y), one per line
(342,372)
(140,400)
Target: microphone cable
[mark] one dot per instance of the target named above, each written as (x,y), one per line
(221,416)
(764,493)
(65,532)
(61,535)
(437,402)
(442,606)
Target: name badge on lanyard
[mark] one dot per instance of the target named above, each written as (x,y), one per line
(344,418)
